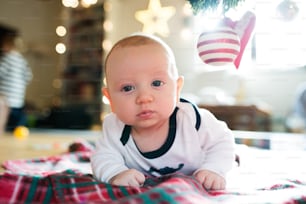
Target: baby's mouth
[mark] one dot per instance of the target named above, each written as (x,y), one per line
(145,114)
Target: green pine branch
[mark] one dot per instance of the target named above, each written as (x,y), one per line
(205,5)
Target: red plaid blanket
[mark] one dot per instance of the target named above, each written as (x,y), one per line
(72,187)
(23,183)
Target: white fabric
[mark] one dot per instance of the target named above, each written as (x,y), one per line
(14,76)
(211,147)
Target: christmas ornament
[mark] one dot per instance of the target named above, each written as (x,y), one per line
(218,47)
(287,10)
(244,29)
(227,43)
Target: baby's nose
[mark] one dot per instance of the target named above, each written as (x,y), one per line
(144,97)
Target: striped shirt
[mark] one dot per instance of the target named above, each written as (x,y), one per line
(15,74)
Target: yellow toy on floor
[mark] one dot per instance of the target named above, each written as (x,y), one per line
(21,132)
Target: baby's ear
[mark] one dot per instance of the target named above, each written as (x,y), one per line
(105,92)
(179,86)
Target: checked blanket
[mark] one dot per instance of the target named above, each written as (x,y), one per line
(72,187)
(67,178)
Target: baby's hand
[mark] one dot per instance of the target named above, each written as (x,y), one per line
(130,177)
(210,180)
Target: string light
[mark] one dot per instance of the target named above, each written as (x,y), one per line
(70,3)
(108,6)
(108,25)
(61,31)
(60,48)
(107,45)
(75,3)
(88,3)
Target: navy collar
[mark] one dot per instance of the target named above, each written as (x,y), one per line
(164,148)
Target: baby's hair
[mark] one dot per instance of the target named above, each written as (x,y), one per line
(139,39)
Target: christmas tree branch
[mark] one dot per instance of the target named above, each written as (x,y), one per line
(204,5)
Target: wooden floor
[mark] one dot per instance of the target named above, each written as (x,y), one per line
(41,143)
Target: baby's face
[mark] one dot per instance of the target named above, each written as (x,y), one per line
(141,85)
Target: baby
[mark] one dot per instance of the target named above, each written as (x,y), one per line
(151,131)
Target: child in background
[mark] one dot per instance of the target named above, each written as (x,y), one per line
(15,75)
(151,132)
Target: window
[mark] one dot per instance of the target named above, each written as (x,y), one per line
(280,42)
(279,37)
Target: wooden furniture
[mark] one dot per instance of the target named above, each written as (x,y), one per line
(82,74)
(242,117)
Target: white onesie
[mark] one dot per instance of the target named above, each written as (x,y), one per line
(196,140)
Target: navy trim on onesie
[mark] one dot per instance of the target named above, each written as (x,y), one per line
(198,117)
(125,134)
(171,133)
(164,148)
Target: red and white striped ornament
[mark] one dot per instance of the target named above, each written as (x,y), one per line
(218,47)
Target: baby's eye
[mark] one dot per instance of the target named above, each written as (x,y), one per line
(127,88)
(157,83)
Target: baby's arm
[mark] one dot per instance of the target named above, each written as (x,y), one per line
(218,150)
(130,177)
(210,180)
(108,163)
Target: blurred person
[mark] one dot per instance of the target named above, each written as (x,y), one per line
(15,74)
